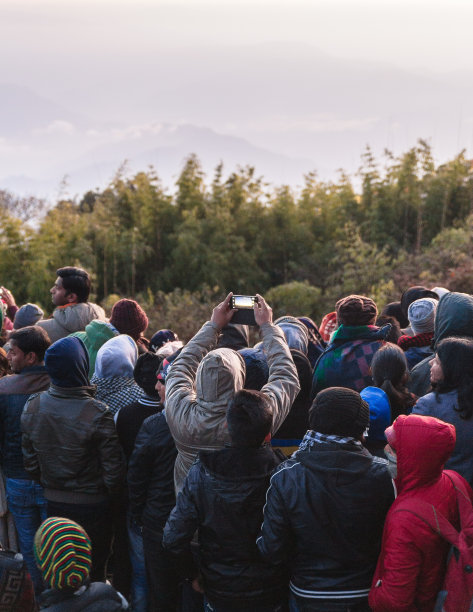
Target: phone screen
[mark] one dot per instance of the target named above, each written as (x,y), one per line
(243,301)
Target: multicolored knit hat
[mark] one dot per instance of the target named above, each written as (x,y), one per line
(63,553)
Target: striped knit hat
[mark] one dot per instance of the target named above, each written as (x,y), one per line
(63,553)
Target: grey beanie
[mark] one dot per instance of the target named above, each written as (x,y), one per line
(29,314)
(421,315)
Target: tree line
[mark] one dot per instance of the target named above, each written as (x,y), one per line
(408,221)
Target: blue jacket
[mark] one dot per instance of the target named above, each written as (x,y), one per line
(14,391)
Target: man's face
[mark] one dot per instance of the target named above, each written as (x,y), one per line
(161,389)
(17,358)
(59,295)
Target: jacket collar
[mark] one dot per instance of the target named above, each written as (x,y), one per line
(360,332)
(72,392)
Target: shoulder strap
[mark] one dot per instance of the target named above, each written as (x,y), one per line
(432,517)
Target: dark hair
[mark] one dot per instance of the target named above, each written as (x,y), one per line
(395,332)
(31,339)
(393,309)
(389,370)
(456,358)
(249,418)
(75,280)
(145,372)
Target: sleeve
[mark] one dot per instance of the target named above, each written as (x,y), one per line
(183,520)
(274,541)
(283,382)
(180,390)
(112,459)
(30,457)
(395,580)
(140,469)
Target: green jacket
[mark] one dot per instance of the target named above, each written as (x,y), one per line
(95,335)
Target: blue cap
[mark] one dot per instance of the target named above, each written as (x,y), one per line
(380,412)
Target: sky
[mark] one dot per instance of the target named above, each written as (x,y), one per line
(273,73)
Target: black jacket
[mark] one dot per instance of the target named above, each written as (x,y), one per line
(151,473)
(71,446)
(325,511)
(14,391)
(223,497)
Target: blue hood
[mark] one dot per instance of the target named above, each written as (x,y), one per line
(67,363)
(380,412)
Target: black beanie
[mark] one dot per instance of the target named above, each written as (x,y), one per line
(339,411)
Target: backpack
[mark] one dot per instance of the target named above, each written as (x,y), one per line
(456,594)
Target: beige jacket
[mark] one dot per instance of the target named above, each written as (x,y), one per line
(200,386)
(74,318)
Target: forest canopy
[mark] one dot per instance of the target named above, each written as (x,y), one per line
(410,221)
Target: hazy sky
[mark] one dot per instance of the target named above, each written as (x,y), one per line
(218,63)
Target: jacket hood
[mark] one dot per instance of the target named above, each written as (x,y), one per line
(220,374)
(296,333)
(67,363)
(454,316)
(340,462)
(98,332)
(234,336)
(77,316)
(423,445)
(117,357)
(236,464)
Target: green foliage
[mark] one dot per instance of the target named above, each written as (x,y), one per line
(410,223)
(296,299)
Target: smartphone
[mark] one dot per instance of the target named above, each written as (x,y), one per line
(245,314)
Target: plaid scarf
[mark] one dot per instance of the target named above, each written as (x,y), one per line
(117,391)
(419,340)
(315,437)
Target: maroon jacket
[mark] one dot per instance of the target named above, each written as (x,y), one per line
(412,562)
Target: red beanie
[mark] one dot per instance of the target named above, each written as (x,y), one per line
(129,318)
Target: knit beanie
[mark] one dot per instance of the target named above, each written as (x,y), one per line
(160,338)
(63,553)
(129,318)
(356,310)
(422,315)
(29,314)
(339,411)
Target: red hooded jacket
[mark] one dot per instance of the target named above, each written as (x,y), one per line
(412,562)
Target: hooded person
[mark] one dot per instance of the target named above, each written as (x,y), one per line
(63,552)
(295,332)
(453,317)
(28,314)
(95,335)
(346,360)
(73,312)
(70,445)
(421,320)
(325,508)
(201,384)
(316,342)
(113,375)
(413,557)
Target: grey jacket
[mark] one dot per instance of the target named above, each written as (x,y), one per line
(70,319)
(200,386)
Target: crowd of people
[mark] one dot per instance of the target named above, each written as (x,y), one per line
(294,475)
